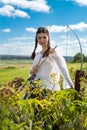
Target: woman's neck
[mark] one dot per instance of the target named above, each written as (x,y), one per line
(44,49)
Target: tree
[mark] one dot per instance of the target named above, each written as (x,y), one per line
(86,58)
(77,57)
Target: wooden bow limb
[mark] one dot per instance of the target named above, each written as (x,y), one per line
(79,74)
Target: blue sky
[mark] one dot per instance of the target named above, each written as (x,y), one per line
(19,20)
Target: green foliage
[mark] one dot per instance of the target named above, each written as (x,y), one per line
(13,68)
(43,109)
(78,57)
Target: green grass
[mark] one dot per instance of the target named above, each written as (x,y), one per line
(77,66)
(9,69)
(14,62)
(7,74)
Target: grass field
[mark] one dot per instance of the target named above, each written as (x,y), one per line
(65,109)
(9,69)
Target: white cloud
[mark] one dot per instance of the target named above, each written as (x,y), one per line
(16,48)
(9,11)
(61,41)
(36,5)
(20,13)
(81,2)
(6,30)
(79,26)
(52,29)
(20,39)
(55,28)
(24,45)
(84,40)
(30,29)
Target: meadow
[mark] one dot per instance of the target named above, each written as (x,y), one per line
(9,69)
(42,109)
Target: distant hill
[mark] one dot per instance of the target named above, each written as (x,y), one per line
(68,58)
(4,57)
(10,57)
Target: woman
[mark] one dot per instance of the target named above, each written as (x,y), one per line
(47,62)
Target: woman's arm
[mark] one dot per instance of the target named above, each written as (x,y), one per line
(63,68)
(34,69)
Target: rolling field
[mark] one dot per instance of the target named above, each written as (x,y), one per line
(9,69)
(66,109)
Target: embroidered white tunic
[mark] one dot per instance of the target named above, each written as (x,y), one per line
(53,65)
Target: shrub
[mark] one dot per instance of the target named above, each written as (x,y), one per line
(42,109)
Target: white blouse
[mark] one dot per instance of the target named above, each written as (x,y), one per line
(53,65)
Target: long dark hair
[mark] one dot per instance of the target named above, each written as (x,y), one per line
(41,30)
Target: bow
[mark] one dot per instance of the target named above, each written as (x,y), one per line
(79,73)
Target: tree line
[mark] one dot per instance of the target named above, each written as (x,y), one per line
(77,57)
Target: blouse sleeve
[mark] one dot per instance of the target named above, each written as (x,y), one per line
(63,69)
(35,61)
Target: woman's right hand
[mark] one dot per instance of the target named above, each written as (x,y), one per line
(34,69)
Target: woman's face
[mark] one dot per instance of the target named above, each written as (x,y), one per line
(42,39)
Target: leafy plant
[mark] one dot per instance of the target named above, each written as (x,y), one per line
(42,109)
